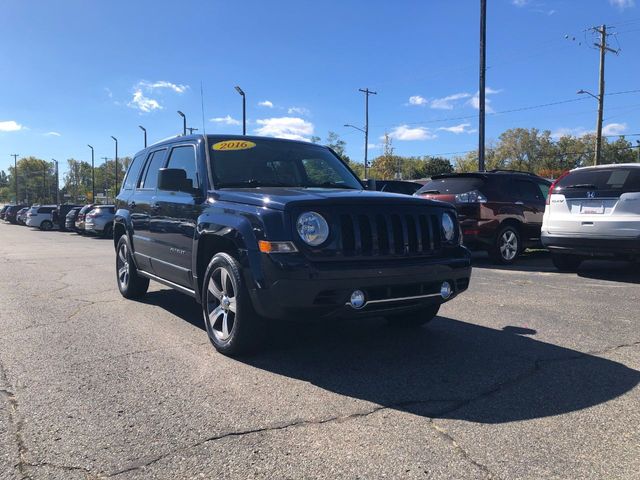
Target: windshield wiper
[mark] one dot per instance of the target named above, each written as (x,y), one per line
(435,192)
(331,185)
(583,185)
(253,183)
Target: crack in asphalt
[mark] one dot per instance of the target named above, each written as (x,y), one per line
(16,421)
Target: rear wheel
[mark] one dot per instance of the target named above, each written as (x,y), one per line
(566,263)
(506,246)
(130,284)
(46,225)
(414,319)
(232,324)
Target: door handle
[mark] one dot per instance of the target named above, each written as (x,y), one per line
(519,203)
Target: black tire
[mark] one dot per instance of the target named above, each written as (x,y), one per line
(566,263)
(232,324)
(108,231)
(46,225)
(414,319)
(507,246)
(130,284)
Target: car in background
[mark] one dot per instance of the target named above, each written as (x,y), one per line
(11,213)
(99,220)
(21,216)
(398,186)
(62,212)
(500,211)
(3,210)
(593,212)
(79,224)
(70,219)
(41,216)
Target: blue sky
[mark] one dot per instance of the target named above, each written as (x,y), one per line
(76,71)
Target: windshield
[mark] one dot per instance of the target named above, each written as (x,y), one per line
(274,163)
(451,185)
(618,179)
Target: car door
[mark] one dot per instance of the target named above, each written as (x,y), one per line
(173,218)
(140,207)
(531,199)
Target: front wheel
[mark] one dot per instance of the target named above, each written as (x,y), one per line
(46,225)
(414,319)
(566,263)
(232,324)
(130,284)
(506,246)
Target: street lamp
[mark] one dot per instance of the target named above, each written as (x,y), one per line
(57,182)
(93,177)
(115,190)
(600,99)
(184,123)
(145,134)
(244,110)
(353,126)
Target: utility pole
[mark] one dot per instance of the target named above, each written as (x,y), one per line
(366,92)
(244,110)
(57,182)
(115,190)
(482,87)
(15,172)
(602,30)
(93,177)
(106,159)
(44,181)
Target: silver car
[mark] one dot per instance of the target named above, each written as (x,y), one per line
(99,221)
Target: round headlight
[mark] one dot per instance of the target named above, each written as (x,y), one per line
(312,228)
(448,227)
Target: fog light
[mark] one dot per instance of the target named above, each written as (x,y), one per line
(357,299)
(445,290)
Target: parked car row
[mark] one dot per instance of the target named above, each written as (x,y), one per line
(92,219)
(589,212)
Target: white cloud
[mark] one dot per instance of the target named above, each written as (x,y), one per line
(417,100)
(569,132)
(298,111)
(142,103)
(10,126)
(614,129)
(293,128)
(457,129)
(373,146)
(228,120)
(622,4)
(520,3)
(108,92)
(151,86)
(265,103)
(406,133)
(475,100)
(446,102)
(53,134)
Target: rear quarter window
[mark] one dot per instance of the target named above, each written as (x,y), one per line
(453,185)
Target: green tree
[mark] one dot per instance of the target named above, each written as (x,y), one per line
(36,181)
(335,143)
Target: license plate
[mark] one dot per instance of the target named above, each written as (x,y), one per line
(592,208)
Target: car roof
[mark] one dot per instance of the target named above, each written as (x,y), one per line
(609,165)
(487,174)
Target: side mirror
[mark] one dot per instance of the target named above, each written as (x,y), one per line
(174,180)
(371,184)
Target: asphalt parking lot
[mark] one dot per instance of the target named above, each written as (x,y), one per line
(529,374)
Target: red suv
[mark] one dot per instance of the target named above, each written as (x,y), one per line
(499,211)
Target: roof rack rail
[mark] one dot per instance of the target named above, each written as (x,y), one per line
(511,171)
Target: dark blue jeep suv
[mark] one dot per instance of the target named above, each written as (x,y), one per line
(260,228)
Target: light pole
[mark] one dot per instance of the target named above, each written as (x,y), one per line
(184,123)
(57,182)
(15,172)
(115,190)
(598,124)
(244,110)
(44,181)
(365,153)
(105,184)
(482,83)
(93,176)
(145,134)
(366,92)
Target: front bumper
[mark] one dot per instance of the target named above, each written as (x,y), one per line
(296,288)
(592,246)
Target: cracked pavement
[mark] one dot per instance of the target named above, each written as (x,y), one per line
(530,374)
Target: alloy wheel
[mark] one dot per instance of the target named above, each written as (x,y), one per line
(221,304)
(123,266)
(508,245)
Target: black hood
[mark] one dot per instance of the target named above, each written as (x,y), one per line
(281,197)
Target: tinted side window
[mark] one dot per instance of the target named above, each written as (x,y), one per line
(156,162)
(133,172)
(184,158)
(528,190)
